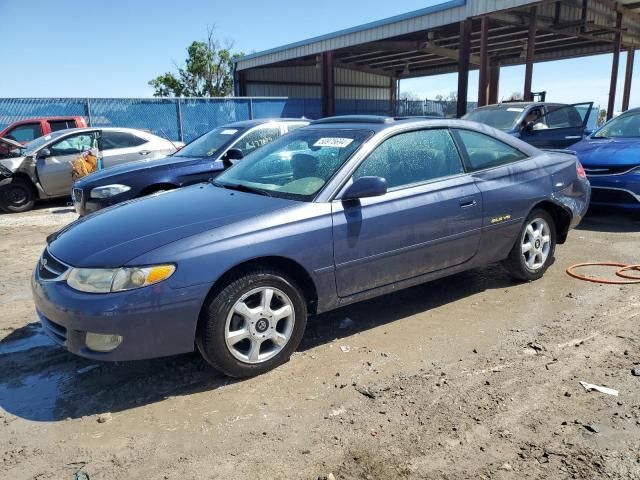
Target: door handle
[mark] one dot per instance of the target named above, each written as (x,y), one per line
(144,152)
(467,203)
(573,137)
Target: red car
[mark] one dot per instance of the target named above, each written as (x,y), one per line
(26,130)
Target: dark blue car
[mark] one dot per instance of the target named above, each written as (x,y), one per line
(337,212)
(541,124)
(611,158)
(197,162)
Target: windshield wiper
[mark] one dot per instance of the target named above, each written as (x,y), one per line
(241,188)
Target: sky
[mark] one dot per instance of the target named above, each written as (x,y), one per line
(112,48)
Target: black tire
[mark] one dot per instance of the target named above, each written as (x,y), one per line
(17,196)
(211,335)
(516,263)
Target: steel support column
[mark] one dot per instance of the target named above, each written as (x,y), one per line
(614,67)
(627,79)
(328,84)
(494,82)
(242,83)
(393,95)
(483,83)
(531,50)
(463,66)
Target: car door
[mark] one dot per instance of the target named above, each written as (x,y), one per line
(429,219)
(563,125)
(510,183)
(119,147)
(54,171)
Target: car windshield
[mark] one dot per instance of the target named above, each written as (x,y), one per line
(210,144)
(296,166)
(502,118)
(624,126)
(31,147)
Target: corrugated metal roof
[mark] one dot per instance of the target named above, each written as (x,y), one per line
(431,17)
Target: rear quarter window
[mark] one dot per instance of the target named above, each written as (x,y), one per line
(482,151)
(112,140)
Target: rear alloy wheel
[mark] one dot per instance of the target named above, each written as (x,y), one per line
(253,324)
(17,196)
(533,252)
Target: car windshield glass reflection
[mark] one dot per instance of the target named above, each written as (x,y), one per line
(33,145)
(624,126)
(210,144)
(296,166)
(500,118)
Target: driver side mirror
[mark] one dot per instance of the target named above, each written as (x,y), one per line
(233,154)
(366,187)
(44,153)
(528,127)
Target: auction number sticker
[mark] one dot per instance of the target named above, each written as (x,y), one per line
(333,142)
(228,132)
(513,109)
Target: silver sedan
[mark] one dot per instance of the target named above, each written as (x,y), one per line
(42,169)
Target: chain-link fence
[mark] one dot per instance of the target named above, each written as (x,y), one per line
(186,118)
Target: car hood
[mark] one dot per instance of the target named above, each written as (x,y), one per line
(11,143)
(608,152)
(113,236)
(137,166)
(13,163)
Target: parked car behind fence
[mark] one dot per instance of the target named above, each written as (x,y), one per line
(43,168)
(25,131)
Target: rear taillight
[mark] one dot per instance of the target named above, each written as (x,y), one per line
(580,170)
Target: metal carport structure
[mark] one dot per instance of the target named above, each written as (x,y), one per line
(366,62)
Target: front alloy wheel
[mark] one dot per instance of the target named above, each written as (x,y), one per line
(252,324)
(259,325)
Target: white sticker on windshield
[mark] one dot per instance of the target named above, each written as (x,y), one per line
(229,131)
(333,142)
(515,109)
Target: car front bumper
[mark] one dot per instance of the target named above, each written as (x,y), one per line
(153,321)
(620,191)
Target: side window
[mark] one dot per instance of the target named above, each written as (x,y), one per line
(25,133)
(563,117)
(256,139)
(56,125)
(111,140)
(72,145)
(413,157)
(484,151)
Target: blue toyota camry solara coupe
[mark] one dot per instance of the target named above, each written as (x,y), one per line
(343,210)
(611,158)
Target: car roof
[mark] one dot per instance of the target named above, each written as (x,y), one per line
(261,121)
(377,123)
(522,105)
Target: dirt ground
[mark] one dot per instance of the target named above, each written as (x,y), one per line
(474,376)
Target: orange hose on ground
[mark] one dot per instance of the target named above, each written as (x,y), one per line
(621,273)
(623,267)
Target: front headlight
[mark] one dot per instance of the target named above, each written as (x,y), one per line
(106,280)
(107,191)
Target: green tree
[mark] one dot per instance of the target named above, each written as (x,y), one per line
(208,71)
